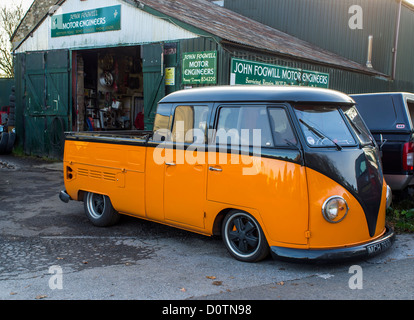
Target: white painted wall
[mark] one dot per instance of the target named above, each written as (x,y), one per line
(137,27)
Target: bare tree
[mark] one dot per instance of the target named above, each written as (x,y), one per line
(9,20)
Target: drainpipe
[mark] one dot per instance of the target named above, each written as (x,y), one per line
(369,53)
(397,32)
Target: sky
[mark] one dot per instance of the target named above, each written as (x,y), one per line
(11,3)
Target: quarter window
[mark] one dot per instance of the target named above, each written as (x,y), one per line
(281,129)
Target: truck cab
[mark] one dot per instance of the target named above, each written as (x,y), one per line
(389,117)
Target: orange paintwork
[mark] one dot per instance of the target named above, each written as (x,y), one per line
(352,230)
(284,197)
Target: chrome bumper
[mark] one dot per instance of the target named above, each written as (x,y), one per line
(399,181)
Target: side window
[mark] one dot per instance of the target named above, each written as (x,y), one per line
(227,128)
(245,126)
(162,122)
(281,129)
(190,124)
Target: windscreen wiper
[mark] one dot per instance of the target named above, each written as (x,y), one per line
(320,134)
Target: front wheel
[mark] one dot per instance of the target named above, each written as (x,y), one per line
(99,210)
(243,237)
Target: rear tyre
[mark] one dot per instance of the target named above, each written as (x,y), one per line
(10,142)
(243,237)
(4,140)
(99,209)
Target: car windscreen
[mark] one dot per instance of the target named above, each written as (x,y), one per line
(324,126)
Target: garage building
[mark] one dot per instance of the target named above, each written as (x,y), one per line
(104,64)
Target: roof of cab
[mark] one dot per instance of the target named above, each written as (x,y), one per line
(252,93)
(388,94)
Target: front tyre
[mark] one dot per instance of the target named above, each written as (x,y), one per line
(99,210)
(243,237)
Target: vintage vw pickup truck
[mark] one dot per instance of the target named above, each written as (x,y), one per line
(290,171)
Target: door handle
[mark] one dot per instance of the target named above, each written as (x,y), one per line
(215,169)
(170,163)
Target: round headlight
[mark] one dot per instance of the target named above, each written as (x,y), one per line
(389,197)
(334,209)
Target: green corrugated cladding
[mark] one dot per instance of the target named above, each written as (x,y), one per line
(5,91)
(324,23)
(345,81)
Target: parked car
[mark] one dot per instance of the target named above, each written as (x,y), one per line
(270,169)
(389,117)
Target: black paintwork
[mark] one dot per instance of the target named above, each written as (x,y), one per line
(367,250)
(357,171)
(245,93)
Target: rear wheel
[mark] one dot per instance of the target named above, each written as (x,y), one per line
(243,237)
(99,209)
(4,140)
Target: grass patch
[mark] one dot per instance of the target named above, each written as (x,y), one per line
(401,216)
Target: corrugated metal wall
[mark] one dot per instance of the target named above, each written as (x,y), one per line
(345,81)
(325,24)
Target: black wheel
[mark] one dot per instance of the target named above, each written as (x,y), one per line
(10,142)
(4,140)
(243,237)
(99,210)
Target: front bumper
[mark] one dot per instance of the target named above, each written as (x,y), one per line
(366,250)
(399,181)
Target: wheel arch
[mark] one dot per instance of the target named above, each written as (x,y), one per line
(218,220)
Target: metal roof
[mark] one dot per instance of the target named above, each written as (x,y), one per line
(236,28)
(258,93)
(220,22)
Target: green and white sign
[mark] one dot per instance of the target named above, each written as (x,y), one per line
(199,67)
(89,21)
(252,72)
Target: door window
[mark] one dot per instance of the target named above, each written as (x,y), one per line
(190,124)
(254,126)
(245,126)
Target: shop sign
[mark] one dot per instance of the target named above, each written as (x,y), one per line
(199,67)
(88,21)
(252,72)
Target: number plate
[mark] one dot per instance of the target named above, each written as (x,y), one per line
(379,247)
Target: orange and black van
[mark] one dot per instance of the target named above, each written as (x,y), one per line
(290,171)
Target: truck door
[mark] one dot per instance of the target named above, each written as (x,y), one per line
(269,178)
(185,166)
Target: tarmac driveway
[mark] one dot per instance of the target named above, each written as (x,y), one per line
(49,250)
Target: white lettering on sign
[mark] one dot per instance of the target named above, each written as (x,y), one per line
(263,74)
